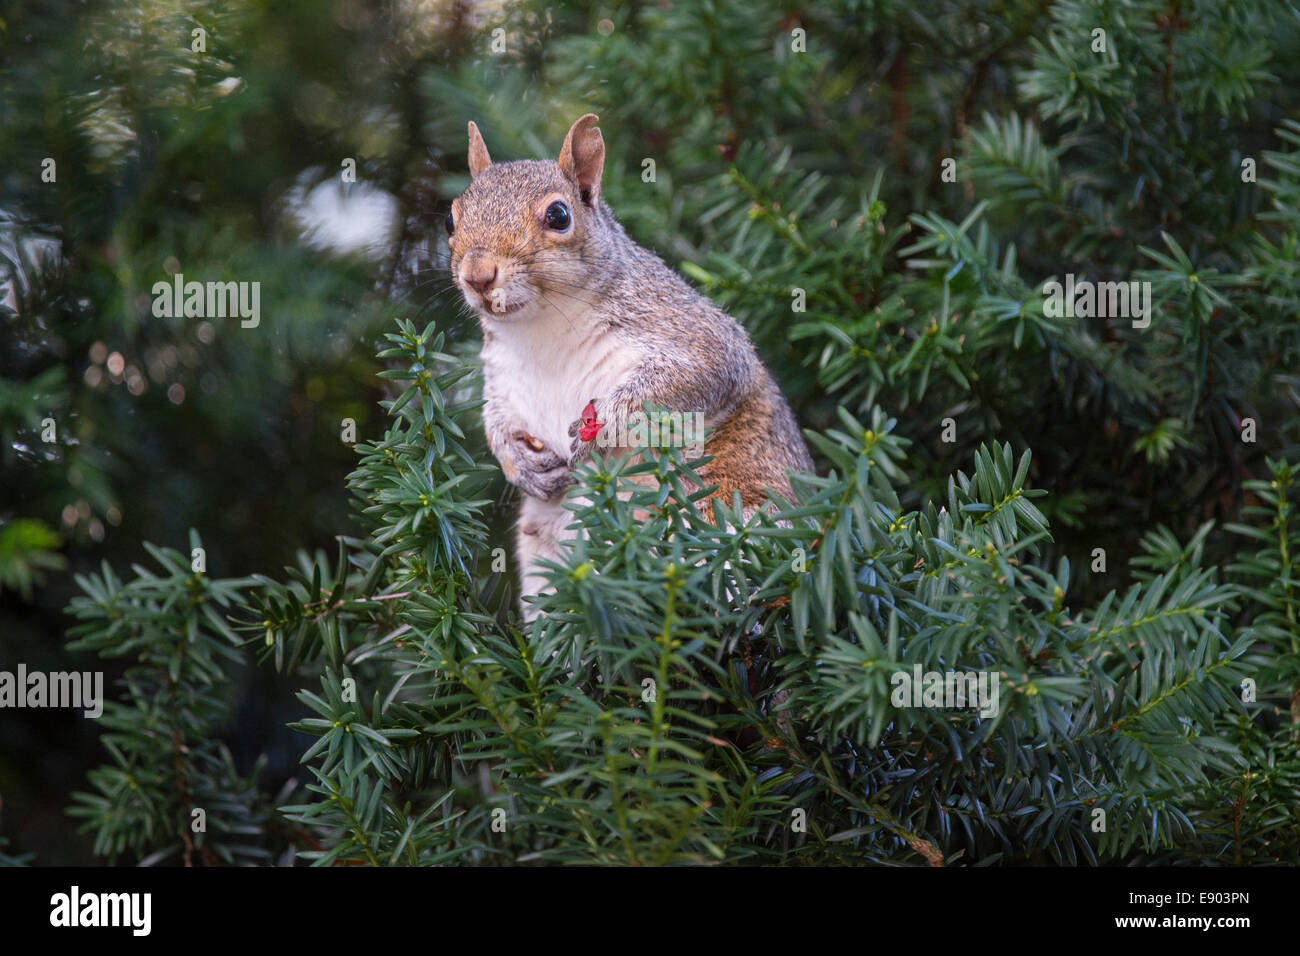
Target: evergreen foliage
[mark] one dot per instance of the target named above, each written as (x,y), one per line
(688,689)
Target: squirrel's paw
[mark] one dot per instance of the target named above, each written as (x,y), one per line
(579,450)
(538,471)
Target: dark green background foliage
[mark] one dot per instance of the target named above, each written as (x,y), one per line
(349,680)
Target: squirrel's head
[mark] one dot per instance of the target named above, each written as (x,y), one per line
(520,236)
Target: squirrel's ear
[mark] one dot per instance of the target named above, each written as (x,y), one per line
(479,159)
(582,157)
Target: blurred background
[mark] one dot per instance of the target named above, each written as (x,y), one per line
(139,140)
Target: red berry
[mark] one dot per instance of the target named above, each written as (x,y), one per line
(590,427)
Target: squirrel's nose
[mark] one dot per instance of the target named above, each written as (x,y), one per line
(479,272)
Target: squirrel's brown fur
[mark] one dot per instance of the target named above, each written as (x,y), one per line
(570,315)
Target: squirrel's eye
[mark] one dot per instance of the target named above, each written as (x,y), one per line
(557,216)
(451,224)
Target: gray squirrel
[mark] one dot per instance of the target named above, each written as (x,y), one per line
(574,312)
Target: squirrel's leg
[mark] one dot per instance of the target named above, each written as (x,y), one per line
(540,534)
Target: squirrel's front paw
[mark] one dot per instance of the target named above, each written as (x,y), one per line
(579,450)
(538,471)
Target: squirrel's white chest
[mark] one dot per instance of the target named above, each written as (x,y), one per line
(550,367)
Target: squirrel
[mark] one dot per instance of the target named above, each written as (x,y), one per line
(575,313)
